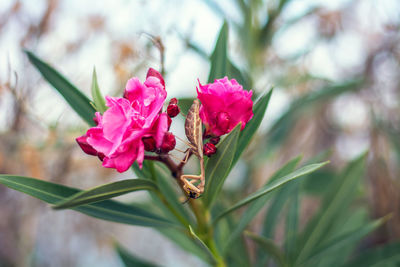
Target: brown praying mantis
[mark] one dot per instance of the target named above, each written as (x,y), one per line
(193,131)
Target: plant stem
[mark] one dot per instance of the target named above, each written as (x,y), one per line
(220,261)
(203,218)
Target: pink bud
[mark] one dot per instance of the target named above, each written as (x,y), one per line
(173,110)
(215,140)
(209,149)
(169,142)
(88,149)
(96,120)
(169,122)
(223,121)
(154,73)
(149,143)
(173,101)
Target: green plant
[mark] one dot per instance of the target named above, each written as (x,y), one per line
(214,226)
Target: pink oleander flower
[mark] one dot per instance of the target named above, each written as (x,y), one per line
(224,104)
(118,137)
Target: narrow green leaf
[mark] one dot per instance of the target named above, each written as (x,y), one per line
(248,132)
(106,210)
(166,185)
(106,191)
(145,171)
(185,104)
(269,246)
(258,204)
(184,241)
(334,204)
(98,98)
(385,255)
(202,245)
(240,76)
(75,98)
(233,71)
(219,57)
(165,198)
(292,221)
(281,128)
(277,203)
(278,183)
(280,198)
(237,255)
(343,240)
(131,260)
(218,166)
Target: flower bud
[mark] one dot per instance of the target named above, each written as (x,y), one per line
(223,121)
(149,143)
(88,149)
(173,101)
(168,143)
(96,120)
(209,149)
(173,110)
(215,140)
(169,122)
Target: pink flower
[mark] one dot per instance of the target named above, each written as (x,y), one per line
(224,104)
(117,139)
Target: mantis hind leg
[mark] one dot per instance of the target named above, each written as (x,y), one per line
(190,176)
(189,186)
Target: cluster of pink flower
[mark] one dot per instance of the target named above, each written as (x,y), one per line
(136,123)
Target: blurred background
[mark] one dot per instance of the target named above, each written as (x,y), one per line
(334,66)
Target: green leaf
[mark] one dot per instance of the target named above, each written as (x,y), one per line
(98,98)
(75,98)
(166,185)
(106,210)
(385,255)
(343,240)
(292,221)
(240,76)
(219,57)
(248,132)
(269,246)
(277,203)
(185,104)
(184,241)
(258,204)
(106,191)
(278,183)
(281,128)
(131,260)
(280,198)
(202,245)
(334,204)
(145,171)
(218,166)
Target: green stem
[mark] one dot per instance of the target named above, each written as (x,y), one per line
(220,261)
(199,213)
(206,230)
(203,218)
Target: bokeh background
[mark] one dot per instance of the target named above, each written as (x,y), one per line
(334,66)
